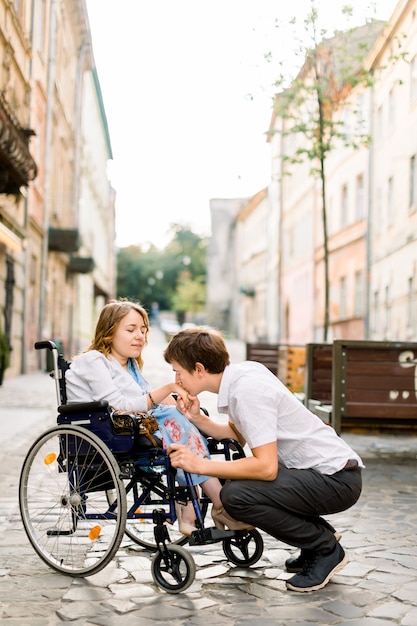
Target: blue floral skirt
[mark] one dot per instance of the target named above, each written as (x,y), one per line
(174,427)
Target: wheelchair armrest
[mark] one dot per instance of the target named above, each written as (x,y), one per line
(81,407)
(226,446)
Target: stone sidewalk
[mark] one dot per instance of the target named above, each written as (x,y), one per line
(378,586)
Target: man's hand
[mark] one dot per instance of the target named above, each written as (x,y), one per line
(182,457)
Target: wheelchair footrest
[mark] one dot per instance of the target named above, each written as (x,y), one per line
(209,535)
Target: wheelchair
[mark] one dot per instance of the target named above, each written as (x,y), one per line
(84,486)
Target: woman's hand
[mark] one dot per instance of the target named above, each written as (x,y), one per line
(182,457)
(190,408)
(182,397)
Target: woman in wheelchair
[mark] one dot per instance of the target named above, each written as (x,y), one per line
(111,369)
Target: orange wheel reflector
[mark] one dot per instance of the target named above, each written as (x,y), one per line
(50,458)
(94,533)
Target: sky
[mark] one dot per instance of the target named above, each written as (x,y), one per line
(187,92)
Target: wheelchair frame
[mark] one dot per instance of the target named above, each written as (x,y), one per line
(83,486)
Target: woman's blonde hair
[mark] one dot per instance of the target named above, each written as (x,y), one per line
(110,317)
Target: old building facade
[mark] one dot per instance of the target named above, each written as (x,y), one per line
(370,209)
(57,258)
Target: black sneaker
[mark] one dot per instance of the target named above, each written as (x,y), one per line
(318,569)
(295,564)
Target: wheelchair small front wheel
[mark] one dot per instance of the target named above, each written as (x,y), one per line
(173,569)
(245,548)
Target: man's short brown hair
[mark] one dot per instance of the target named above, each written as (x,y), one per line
(198,345)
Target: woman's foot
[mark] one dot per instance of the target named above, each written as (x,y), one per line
(185,519)
(222,519)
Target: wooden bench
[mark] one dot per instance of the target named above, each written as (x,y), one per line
(373,385)
(264,353)
(291,367)
(318,375)
(285,361)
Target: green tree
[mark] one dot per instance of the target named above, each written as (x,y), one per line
(310,105)
(190,296)
(152,275)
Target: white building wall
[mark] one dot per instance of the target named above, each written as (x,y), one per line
(96,217)
(394,216)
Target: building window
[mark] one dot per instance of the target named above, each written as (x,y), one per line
(412,194)
(413,79)
(362,115)
(376,312)
(379,123)
(358,293)
(410,304)
(377,218)
(390,204)
(360,212)
(343,298)
(344,209)
(391,109)
(387,312)
(41,27)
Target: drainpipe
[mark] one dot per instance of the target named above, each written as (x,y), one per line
(280,236)
(75,198)
(369,221)
(26,214)
(47,169)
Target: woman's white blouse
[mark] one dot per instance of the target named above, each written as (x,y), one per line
(93,376)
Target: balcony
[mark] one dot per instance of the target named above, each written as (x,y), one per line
(81,265)
(64,240)
(17,168)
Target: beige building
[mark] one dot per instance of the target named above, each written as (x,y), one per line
(371,200)
(256,270)
(18,168)
(57,262)
(222,297)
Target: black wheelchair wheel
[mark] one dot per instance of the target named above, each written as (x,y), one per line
(245,548)
(63,501)
(174,570)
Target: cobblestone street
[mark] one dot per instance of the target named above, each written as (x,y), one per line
(378,586)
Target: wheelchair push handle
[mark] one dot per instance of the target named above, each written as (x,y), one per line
(55,374)
(41,345)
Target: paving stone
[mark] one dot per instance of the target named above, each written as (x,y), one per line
(86,594)
(410,619)
(165,613)
(134,563)
(108,575)
(389,610)
(125,619)
(343,609)
(120,606)
(357,569)
(196,605)
(142,576)
(367,621)
(201,620)
(407,593)
(69,611)
(211,572)
(376,588)
(132,590)
(246,609)
(302,613)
